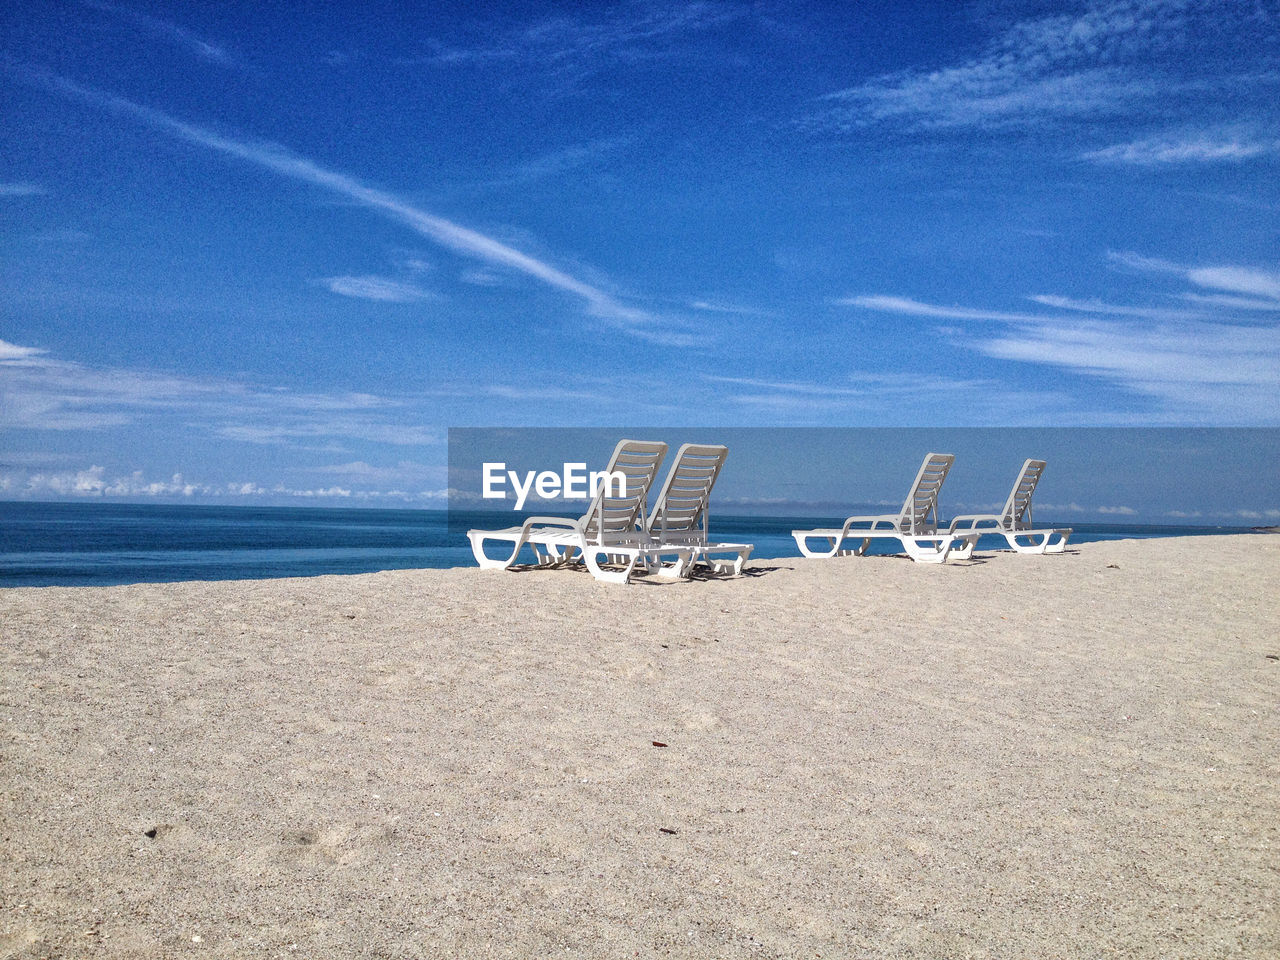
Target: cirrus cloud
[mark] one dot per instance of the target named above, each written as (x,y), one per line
(1193,148)
(377,288)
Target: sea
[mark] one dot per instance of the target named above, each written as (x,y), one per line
(104,544)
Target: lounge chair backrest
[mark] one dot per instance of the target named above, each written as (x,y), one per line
(618,517)
(920,510)
(683,504)
(1017,509)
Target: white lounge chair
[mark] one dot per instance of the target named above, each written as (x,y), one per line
(613,527)
(914,526)
(1014,522)
(680,518)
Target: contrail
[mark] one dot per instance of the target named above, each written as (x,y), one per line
(448,234)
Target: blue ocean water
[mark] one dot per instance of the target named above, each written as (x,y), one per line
(100,544)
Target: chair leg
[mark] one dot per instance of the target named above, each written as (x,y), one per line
(732,565)
(592,558)
(833,547)
(548,556)
(935,550)
(805,550)
(1060,545)
(1030,547)
(1040,542)
(681,567)
(477,539)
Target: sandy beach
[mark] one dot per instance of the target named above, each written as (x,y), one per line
(1064,756)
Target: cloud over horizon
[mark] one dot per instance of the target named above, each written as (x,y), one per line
(1205,364)
(41,392)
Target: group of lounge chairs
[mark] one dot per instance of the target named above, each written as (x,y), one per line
(916,525)
(618,533)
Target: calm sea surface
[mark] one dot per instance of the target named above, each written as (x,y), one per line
(98,544)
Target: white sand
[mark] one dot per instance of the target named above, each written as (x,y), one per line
(1071,756)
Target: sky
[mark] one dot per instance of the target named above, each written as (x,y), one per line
(269,253)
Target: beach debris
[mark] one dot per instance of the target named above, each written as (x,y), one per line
(1272,656)
(1113,566)
(150,834)
(658,743)
(670,830)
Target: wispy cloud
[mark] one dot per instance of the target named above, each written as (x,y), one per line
(527,392)
(1111,309)
(1238,280)
(1143,264)
(65,238)
(1233,303)
(989,94)
(1247,288)
(11,351)
(34,458)
(861,384)
(402,473)
(787,387)
(377,288)
(1202,367)
(734,309)
(1188,148)
(21,189)
(1094,62)
(310,428)
(909,397)
(1168,360)
(573,158)
(40,392)
(482,278)
(185,38)
(914,308)
(462,240)
(586,40)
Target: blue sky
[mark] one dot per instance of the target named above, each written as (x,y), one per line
(271,252)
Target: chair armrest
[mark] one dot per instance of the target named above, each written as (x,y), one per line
(973,520)
(574,525)
(891,519)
